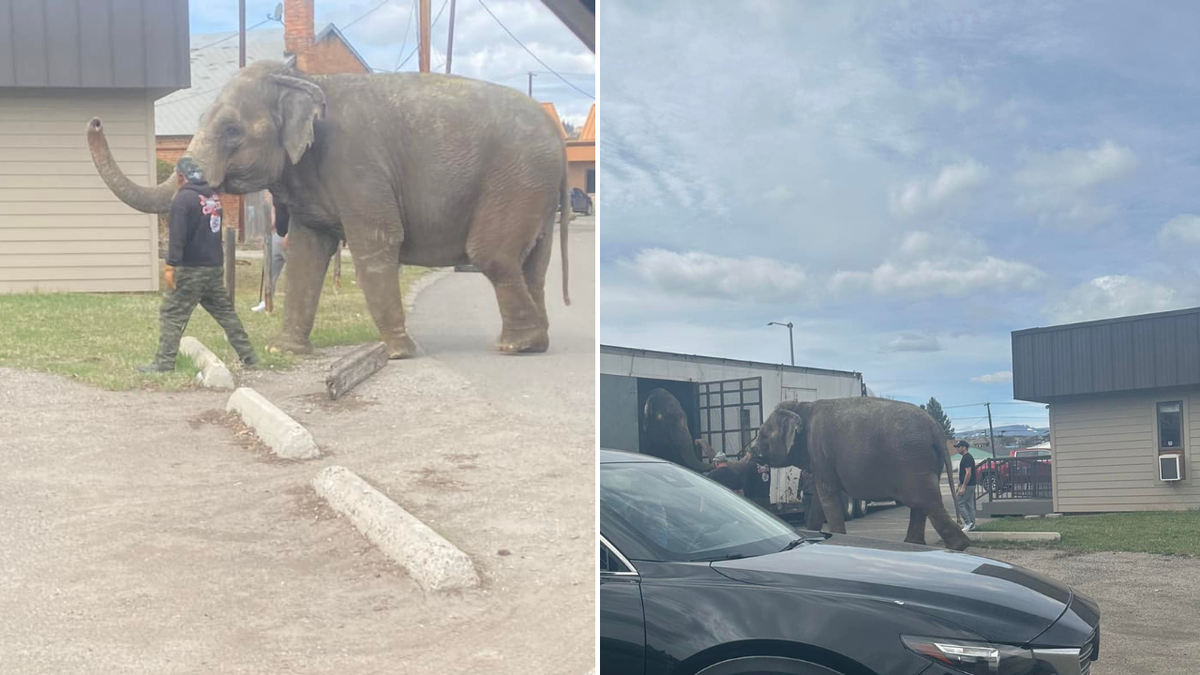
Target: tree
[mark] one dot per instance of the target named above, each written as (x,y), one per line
(935,411)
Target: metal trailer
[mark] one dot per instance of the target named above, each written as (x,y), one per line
(726,401)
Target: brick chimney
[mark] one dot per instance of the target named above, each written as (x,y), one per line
(298,31)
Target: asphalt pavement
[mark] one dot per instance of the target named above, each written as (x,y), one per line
(886,521)
(456,321)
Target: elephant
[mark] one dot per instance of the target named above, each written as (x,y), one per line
(406,168)
(870,448)
(666,427)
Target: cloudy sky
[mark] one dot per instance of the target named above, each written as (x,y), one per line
(907,182)
(481,47)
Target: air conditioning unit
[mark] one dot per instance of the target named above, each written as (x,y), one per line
(1168,467)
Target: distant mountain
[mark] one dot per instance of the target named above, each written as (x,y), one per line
(1009,431)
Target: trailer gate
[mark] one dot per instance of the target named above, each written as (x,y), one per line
(730,413)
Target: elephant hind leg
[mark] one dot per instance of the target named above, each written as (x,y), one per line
(916,526)
(951,535)
(503,235)
(534,268)
(831,503)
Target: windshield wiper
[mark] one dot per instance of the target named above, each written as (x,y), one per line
(793,544)
(731,556)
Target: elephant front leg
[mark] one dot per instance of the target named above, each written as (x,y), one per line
(916,527)
(309,252)
(377,265)
(831,504)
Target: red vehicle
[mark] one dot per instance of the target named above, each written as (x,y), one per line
(1032,474)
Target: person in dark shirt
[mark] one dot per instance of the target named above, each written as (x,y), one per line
(194,273)
(966,486)
(279,240)
(725,474)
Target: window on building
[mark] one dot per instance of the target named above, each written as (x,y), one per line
(591,181)
(1170,426)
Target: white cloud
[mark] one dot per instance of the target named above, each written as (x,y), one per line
(999,377)
(913,342)
(1058,186)
(704,275)
(922,197)
(927,265)
(1113,296)
(779,194)
(1182,229)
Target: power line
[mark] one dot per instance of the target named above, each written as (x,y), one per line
(535,58)
(235,34)
(431,26)
(368,13)
(404,45)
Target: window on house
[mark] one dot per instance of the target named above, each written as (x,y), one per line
(1170,426)
(591,181)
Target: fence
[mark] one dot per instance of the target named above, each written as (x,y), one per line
(1016,478)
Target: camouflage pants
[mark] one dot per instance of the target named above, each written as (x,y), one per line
(204,286)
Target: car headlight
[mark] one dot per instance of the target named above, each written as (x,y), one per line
(976,658)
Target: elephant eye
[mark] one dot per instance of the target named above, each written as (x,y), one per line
(231,132)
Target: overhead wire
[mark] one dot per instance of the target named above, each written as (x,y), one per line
(431,26)
(528,51)
(369,12)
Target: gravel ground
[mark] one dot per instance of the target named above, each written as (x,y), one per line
(1149,605)
(141,535)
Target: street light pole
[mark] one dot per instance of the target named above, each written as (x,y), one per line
(791,344)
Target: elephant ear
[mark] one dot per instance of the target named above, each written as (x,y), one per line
(301,104)
(792,424)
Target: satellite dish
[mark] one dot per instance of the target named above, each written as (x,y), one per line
(278,12)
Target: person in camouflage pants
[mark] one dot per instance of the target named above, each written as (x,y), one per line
(195,271)
(204,286)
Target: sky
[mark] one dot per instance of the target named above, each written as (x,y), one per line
(907,183)
(482,49)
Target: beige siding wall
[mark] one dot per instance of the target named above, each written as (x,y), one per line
(1106,454)
(60,227)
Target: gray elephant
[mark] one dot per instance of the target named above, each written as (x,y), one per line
(870,448)
(668,436)
(410,168)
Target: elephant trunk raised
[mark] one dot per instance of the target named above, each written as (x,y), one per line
(145,199)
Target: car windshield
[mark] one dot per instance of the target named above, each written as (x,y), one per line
(681,516)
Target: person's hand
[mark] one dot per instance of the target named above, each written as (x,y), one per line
(169,277)
(283,242)
(960,491)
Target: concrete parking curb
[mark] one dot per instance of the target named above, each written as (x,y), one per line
(434,563)
(284,435)
(1015,536)
(213,372)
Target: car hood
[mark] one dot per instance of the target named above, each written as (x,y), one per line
(997,601)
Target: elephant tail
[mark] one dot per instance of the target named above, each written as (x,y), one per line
(944,454)
(564,217)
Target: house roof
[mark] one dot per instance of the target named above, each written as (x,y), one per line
(1115,355)
(214,60)
(588,134)
(553,113)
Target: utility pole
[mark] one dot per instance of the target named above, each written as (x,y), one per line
(450,39)
(791,344)
(991,432)
(423,38)
(531,85)
(231,235)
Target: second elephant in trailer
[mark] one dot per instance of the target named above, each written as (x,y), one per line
(870,448)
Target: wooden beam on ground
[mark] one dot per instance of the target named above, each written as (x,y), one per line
(347,372)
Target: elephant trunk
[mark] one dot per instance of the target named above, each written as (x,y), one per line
(144,199)
(682,440)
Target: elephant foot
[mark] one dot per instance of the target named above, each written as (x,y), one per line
(533,340)
(284,344)
(915,540)
(958,542)
(401,347)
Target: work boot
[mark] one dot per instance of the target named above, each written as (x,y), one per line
(153,368)
(251,362)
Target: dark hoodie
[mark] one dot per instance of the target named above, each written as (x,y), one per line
(195,227)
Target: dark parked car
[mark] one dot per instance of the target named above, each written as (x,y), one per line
(581,202)
(694,579)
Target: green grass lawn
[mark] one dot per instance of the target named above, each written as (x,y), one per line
(100,338)
(1169,532)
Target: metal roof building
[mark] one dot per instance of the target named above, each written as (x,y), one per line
(1123,396)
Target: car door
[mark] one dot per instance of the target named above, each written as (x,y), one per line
(622,617)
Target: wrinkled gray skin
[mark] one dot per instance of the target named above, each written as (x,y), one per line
(667,432)
(422,169)
(870,448)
